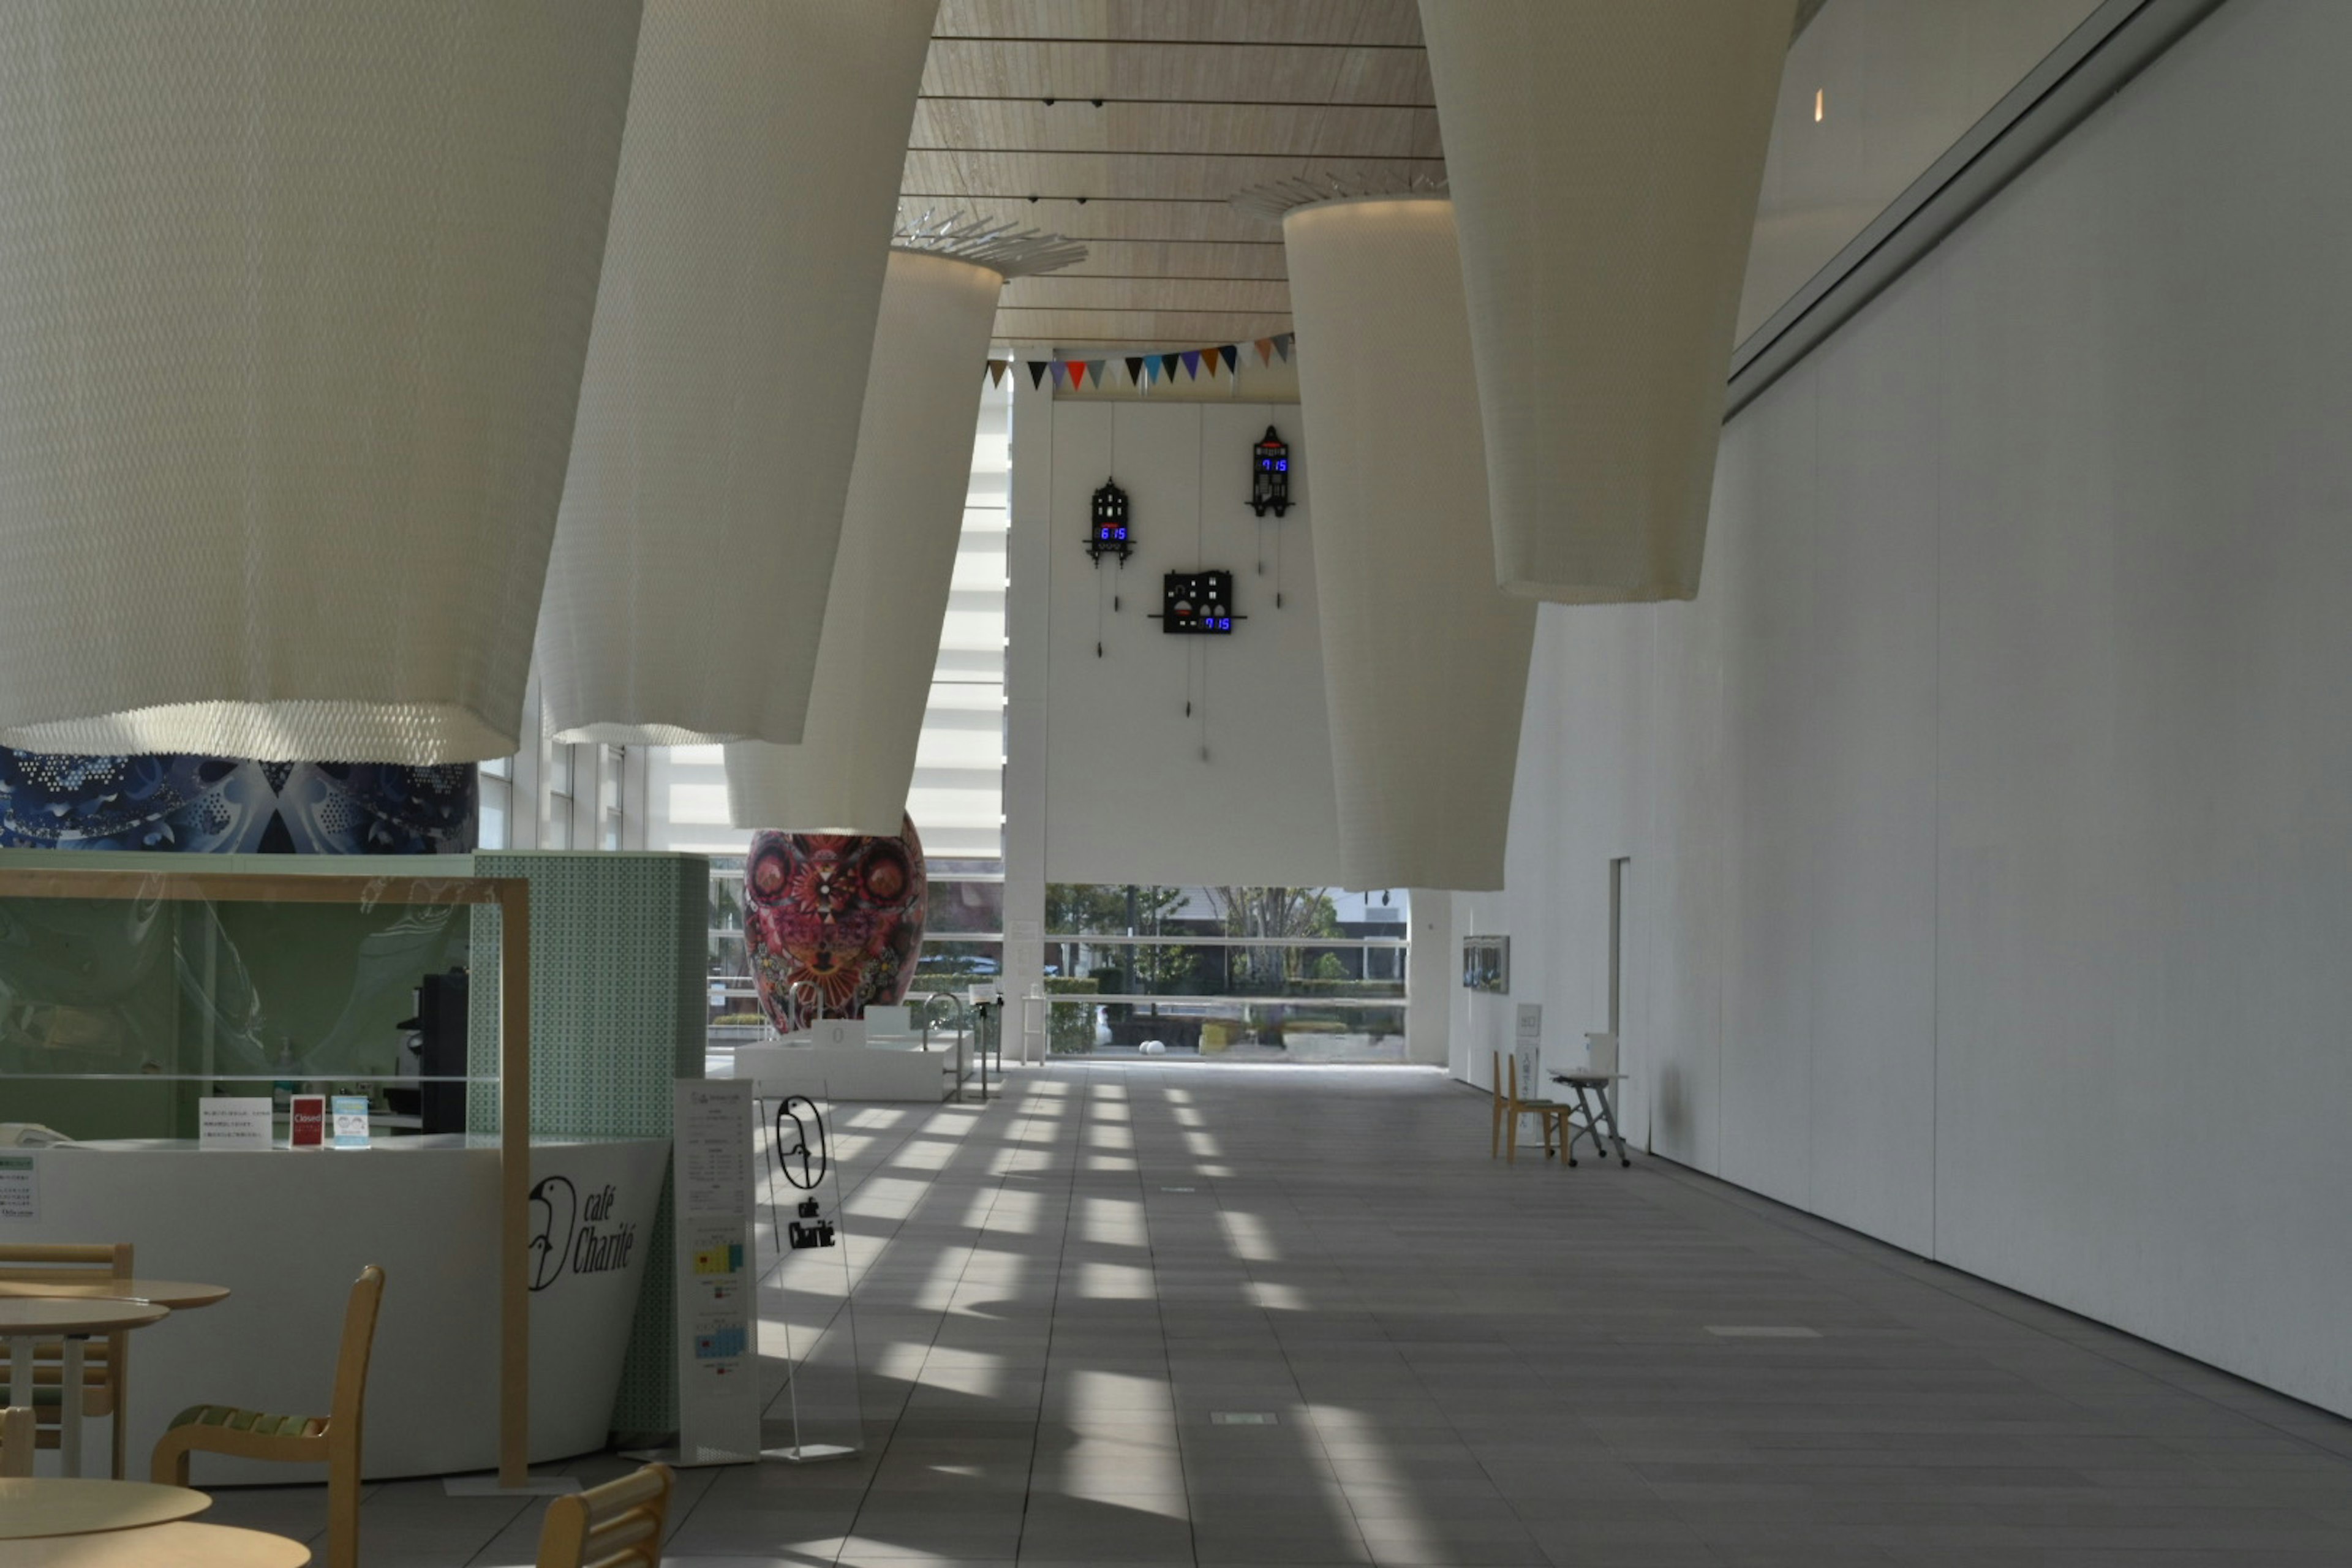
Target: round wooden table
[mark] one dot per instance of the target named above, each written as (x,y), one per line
(44,1506)
(26,1320)
(180,1295)
(160,1546)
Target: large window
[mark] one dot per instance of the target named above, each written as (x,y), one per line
(963,941)
(1292,974)
(552,796)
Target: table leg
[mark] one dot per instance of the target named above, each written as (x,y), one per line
(1583,1130)
(117,1372)
(70,1407)
(1609,1111)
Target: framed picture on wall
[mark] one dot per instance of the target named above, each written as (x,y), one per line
(1486,964)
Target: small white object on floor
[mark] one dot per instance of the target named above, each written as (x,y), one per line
(1152,1048)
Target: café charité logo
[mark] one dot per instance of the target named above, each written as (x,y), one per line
(567,1233)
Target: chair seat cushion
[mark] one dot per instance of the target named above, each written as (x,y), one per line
(261,1426)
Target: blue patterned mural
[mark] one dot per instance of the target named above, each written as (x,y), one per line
(225,806)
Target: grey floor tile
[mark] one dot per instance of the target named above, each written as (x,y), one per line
(1467,1363)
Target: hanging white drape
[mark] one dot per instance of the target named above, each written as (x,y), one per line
(296,298)
(1606,157)
(890,580)
(1425,659)
(758,190)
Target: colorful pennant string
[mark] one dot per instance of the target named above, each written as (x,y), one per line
(1144,371)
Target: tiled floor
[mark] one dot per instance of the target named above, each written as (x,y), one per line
(1464,1363)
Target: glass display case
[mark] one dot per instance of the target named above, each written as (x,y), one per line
(126,997)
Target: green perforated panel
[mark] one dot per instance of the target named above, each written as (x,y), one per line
(619,950)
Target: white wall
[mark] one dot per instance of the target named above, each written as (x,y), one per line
(1991,810)
(1131,798)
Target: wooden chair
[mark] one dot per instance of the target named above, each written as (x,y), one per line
(300,1439)
(616,1525)
(17,1441)
(1551,1115)
(105,1363)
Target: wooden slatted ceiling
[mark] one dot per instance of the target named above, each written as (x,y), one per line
(1200,99)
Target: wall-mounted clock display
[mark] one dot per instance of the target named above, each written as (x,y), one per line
(1198,603)
(1110,532)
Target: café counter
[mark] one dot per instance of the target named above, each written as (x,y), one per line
(287,1230)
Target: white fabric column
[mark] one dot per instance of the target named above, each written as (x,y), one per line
(296,300)
(758,190)
(1425,659)
(1604,159)
(890,580)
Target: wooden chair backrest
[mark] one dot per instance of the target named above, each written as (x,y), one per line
(67,1263)
(351,1361)
(616,1525)
(18,1437)
(1507,1080)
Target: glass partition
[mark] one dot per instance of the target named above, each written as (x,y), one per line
(127,997)
(1241,973)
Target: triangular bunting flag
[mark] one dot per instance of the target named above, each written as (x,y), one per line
(1060,372)
(1208,361)
(1264,347)
(1094,373)
(996,371)
(1168,366)
(1036,373)
(1232,357)
(1193,363)
(1282,345)
(1151,370)
(1077,373)
(1135,369)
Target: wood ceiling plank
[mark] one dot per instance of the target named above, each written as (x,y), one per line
(1267,130)
(1192,73)
(1170,177)
(1391,22)
(1135,259)
(1147,220)
(1061,291)
(1164,329)
(1201,98)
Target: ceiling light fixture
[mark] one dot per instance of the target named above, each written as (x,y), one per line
(734,325)
(1606,160)
(300,297)
(1418,640)
(900,527)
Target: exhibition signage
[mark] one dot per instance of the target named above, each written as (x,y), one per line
(20,1187)
(233,1121)
(350,1121)
(715,1265)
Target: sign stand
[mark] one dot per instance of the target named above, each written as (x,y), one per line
(803,1153)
